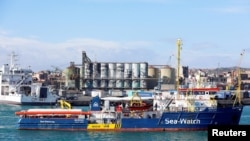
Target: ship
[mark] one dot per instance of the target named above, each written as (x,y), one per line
(178,110)
(134,113)
(17,86)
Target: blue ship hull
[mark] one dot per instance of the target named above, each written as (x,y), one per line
(171,121)
(167,121)
(52,124)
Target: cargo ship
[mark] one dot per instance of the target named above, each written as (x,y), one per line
(178,110)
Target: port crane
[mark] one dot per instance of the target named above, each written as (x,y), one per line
(179,44)
(238,90)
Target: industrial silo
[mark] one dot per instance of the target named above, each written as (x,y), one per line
(127,70)
(96,83)
(87,70)
(167,75)
(104,83)
(111,83)
(119,75)
(104,75)
(127,75)
(143,70)
(135,70)
(104,70)
(111,70)
(111,75)
(119,83)
(119,70)
(81,76)
(153,74)
(143,74)
(127,83)
(135,75)
(88,83)
(96,69)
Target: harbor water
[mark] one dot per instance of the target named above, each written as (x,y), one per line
(8,131)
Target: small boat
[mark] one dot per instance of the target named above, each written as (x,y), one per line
(63,118)
(138,104)
(17,87)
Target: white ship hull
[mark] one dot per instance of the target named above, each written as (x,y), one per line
(24,100)
(17,87)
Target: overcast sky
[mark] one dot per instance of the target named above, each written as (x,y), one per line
(47,33)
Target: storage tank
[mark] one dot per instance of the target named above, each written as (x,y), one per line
(135,70)
(135,75)
(111,74)
(135,83)
(153,77)
(127,70)
(111,70)
(96,83)
(143,74)
(87,70)
(104,70)
(82,82)
(143,84)
(127,83)
(88,83)
(143,70)
(119,70)
(167,75)
(96,70)
(127,75)
(96,75)
(104,83)
(152,72)
(119,83)
(111,83)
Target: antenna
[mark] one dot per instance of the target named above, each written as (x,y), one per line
(12,59)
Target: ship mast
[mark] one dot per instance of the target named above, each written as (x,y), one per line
(12,60)
(179,43)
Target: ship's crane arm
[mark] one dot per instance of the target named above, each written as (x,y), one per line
(64,104)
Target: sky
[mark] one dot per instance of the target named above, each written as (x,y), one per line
(49,34)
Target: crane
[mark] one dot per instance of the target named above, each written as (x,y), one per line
(179,44)
(238,94)
(64,104)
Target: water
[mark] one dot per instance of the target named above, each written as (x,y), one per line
(8,131)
